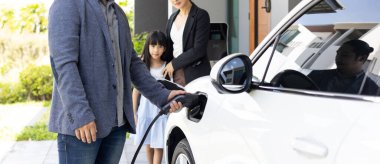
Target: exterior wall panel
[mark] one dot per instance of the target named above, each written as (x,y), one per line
(150,15)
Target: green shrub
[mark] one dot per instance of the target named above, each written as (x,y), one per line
(37,81)
(11,93)
(7,19)
(26,18)
(5,69)
(33,18)
(39,131)
(46,104)
(128,11)
(139,41)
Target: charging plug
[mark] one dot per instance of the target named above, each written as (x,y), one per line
(188,100)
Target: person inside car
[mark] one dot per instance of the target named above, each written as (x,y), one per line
(349,75)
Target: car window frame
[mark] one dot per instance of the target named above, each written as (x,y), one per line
(267,43)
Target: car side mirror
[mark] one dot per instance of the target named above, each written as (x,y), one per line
(232,74)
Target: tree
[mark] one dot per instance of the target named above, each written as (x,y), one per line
(128,11)
(33,18)
(6,18)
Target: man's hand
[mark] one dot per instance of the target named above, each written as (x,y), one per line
(168,70)
(87,133)
(175,105)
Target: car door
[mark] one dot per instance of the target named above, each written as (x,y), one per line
(294,123)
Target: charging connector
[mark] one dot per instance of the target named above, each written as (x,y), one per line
(188,100)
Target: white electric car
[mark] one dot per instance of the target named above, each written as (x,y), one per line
(264,109)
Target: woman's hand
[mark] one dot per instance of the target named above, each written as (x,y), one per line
(135,117)
(168,70)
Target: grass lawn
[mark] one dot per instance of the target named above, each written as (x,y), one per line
(37,132)
(24,121)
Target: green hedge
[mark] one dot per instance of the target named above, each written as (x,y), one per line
(39,131)
(11,93)
(37,81)
(24,18)
(34,82)
(139,41)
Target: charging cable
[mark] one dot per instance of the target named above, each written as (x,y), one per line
(188,100)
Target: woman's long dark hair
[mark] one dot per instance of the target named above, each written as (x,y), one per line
(154,38)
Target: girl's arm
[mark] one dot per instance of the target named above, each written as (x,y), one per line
(135,101)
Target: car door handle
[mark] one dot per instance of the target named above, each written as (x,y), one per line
(310,147)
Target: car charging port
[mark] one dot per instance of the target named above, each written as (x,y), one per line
(196,112)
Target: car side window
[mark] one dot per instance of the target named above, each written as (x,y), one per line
(334,47)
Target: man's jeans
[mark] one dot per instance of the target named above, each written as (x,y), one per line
(104,151)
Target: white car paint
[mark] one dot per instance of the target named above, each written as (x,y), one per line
(266,127)
(252,128)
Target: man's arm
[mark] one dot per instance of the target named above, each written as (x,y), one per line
(150,88)
(63,33)
(145,83)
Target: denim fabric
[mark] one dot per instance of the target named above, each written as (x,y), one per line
(104,151)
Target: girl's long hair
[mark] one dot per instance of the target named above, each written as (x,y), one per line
(154,38)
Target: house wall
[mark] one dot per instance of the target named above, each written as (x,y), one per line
(292,4)
(235,14)
(233,24)
(150,15)
(244,27)
(217,9)
(279,9)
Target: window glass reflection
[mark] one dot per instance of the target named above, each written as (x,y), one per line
(233,73)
